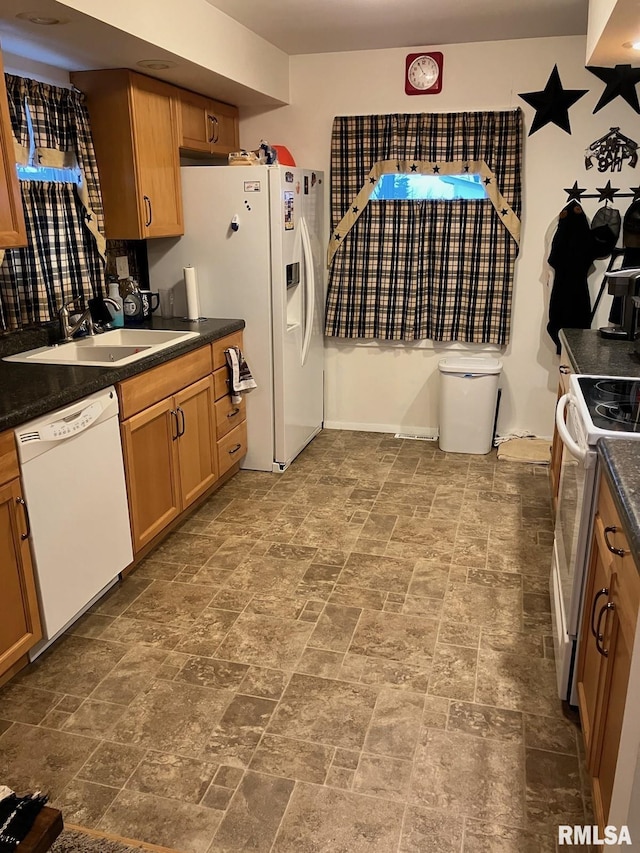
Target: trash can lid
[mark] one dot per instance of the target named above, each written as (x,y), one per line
(470,364)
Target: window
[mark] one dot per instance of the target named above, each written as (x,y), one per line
(416,187)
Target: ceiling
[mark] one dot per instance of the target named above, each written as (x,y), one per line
(318,26)
(324,26)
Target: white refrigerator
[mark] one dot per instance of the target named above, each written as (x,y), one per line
(254,236)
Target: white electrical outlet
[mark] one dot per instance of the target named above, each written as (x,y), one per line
(122,266)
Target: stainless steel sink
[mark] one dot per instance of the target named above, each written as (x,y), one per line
(119,346)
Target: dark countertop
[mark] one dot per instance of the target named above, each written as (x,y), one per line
(620,460)
(29,390)
(588,352)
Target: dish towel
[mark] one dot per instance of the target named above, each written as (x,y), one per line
(17,815)
(240,378)
(535,451)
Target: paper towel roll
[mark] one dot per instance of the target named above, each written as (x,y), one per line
(191,286)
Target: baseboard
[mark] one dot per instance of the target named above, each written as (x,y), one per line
(426,432)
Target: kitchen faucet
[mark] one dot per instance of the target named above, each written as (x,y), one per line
(68,329)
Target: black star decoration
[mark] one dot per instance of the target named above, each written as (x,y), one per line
(504,211)
(620,82)
(607,193)
(466,168)
(636,192)
(575,192)
(436,170)
(487,181)
(414,168)
(355,209)
(372,180)
(552,104)
(336,237)
(88,217)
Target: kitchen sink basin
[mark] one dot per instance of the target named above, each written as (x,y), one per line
(117,347)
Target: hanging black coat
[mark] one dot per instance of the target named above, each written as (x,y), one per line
(571,257)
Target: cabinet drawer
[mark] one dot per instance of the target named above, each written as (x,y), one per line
(234,340)
(232,448)
(8,458)
(229,415)
(153,385)
(220,383)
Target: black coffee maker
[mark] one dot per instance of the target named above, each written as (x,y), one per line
(624,284)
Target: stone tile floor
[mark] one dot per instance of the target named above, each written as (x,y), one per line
(352,656)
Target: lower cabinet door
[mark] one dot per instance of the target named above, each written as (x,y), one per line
(197,451)
(150,441)
(19,617)
(591,660)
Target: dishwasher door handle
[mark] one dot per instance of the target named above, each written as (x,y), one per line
(21,502)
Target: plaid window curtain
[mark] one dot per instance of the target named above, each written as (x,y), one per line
(65,255)
(410,270)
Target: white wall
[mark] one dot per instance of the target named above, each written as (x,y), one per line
(378,386)
(35,70)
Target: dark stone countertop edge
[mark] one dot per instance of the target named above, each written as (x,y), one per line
(620,463)
(589,353)
(30,390)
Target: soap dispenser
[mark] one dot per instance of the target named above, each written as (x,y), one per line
(117,314)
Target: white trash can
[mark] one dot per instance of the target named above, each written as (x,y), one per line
(468,398)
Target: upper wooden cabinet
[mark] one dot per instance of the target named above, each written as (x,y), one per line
(134,127)
(12,230)
(206,126)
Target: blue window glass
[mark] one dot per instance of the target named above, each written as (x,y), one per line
(433,187)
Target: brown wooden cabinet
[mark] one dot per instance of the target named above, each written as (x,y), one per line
(134,127)
(612,601)
(180,434)
(206,126)
(19,614)
(170,450)
(12,228)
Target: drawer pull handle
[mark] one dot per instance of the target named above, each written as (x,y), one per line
(620,552)
(607,607)
(603,591)
(234,450)
(21,502)
(233,413)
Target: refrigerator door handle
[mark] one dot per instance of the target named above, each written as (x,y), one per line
(309,289)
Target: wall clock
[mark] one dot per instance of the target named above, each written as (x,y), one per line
(423,73)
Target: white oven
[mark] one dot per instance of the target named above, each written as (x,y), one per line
(593,407)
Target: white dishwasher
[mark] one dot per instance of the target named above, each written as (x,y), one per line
(73,480)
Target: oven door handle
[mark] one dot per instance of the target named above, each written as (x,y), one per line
(567,439)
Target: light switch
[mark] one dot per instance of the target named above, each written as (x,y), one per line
(122,266)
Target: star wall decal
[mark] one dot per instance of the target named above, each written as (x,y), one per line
(552,103)
(620,83)
(575,192)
